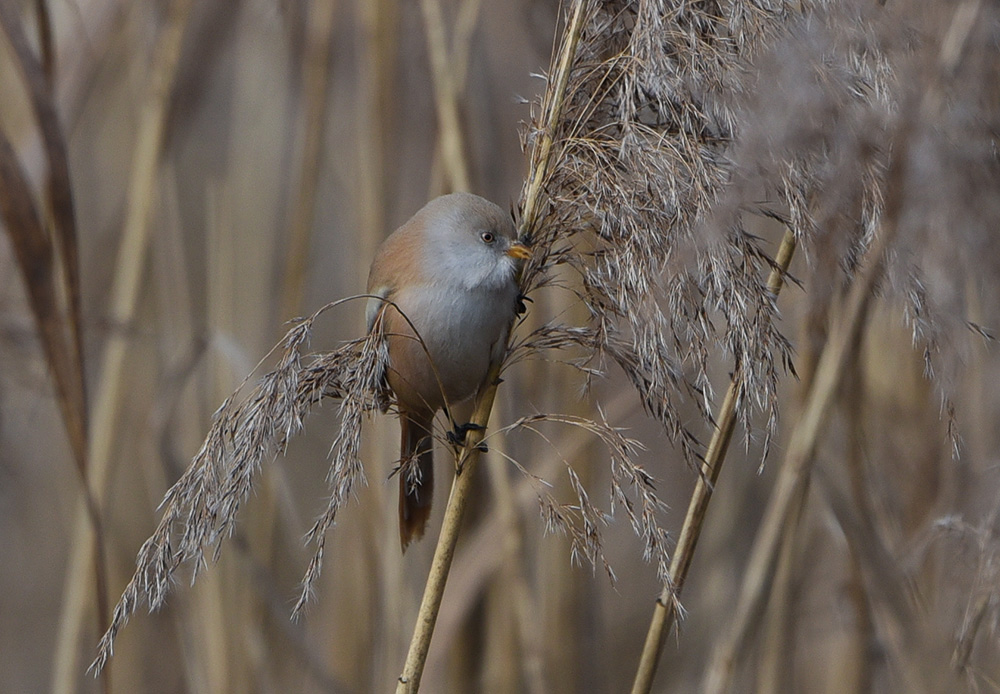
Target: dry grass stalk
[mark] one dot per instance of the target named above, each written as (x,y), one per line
(845,333)
(444,551)
(795,471)
(315,68)
(65,352)
(668,605)
(124,300)
(449,69)
(897,609)
(48,256)
(35,257)
(46,44)
(377,92)
(447,88)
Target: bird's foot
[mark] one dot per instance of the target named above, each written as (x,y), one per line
(521,308)
(456,437)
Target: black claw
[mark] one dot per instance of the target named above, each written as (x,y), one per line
(456,436)
(521,308)
(482,447)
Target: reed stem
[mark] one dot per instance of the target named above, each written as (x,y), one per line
(468,456)
(665,610)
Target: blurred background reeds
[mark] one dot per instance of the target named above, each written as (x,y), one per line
(178,179)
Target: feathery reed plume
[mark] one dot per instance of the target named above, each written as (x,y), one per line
(926,84)
(632,211)
(315,64)
(201,508)
(638,172)
(684,121)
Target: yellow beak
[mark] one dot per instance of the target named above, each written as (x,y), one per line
(519,250)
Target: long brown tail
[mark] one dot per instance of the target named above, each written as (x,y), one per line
(416,482)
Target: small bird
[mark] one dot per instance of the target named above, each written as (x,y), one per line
(445,288)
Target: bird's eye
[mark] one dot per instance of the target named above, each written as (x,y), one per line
(487,237)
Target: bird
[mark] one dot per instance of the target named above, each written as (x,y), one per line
(443,292)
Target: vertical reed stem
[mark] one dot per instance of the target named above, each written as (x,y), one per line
(665,610)
(467,457)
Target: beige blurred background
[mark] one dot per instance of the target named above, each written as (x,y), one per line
(234,165)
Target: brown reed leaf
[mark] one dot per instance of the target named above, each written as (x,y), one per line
(35,257)
(46,43)
(59,200)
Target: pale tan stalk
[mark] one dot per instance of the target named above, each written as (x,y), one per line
(374,103)
(213,621)
(665,610)
(857,673)
(795,469)
(124,297)
(378,26)
(552,107)
(299,217)
(450,132)
(777,645)
(315,75)
(465,26)
(450,69)
(467,457)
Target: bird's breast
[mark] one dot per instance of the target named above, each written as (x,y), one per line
(460,329)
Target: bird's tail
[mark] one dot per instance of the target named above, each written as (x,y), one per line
(416,477)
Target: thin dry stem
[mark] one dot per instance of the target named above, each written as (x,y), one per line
(795,469)
(667,606)
(124,299)
(315,69)
(444,552)
(446,93)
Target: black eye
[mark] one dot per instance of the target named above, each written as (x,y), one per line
(487,237)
